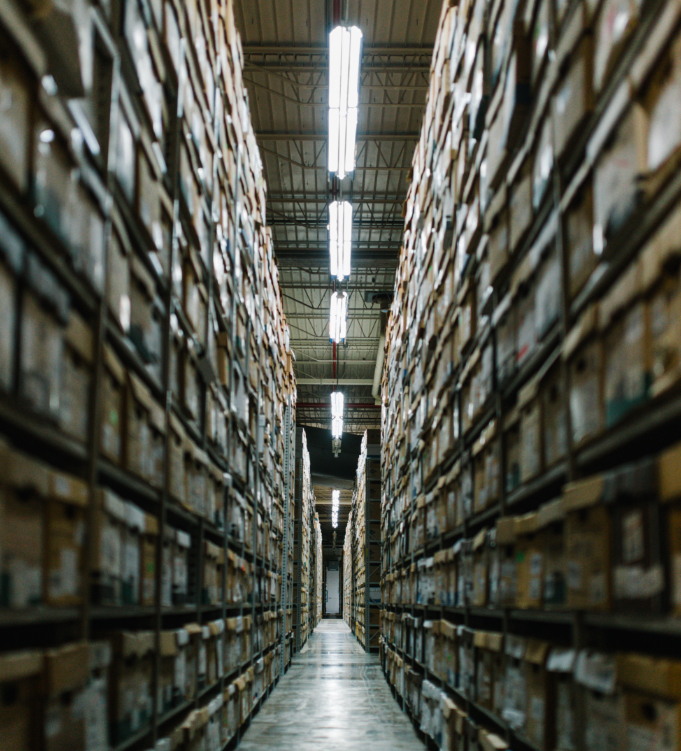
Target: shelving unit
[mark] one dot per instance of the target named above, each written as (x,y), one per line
(147,394)
(530,392)
(362,548)
(307,548)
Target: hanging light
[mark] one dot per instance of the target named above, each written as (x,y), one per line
(338,317)
(337,414)
(345,46)
(340,238)
(335,500)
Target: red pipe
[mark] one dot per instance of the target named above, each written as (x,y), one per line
(336,12)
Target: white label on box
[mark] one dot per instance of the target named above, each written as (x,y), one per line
(633,582)
(110,560)
(131,566)
(203,662)
(181,672)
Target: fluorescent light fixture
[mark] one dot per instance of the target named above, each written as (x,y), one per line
(340,238)
(345,45)
(335,498)
(337,400)
(338,317)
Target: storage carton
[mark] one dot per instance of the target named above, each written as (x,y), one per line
(20,722)
(14,120)
(44,316)
(541,695)
(24,486)
(11,265)
(65,539)
(561,664)
(587,546)
(131,683)
(113,406)
(109,525)
(626,369)
(583,351)
(66,675)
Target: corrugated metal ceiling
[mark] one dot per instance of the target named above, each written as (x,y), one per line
(286,65)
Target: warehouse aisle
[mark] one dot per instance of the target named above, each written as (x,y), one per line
(333,697)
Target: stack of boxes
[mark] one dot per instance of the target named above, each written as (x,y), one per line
(362,593)
(146,379)
(531,386)
(308,555)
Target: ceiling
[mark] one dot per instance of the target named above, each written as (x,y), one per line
(286,70)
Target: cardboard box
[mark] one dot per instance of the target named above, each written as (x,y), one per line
(587,546)
(551,524)
(584,353)
(11,265)
(662,286)
(24,487)
(213,562)
(508,572)
(108,532)
(573,99)
(135,522)
(14,120)
(168,692)
(512,447)
(76,378)
(616,177)
(553,416)
(561,664)
(178,439)
(603,706)
(66,675)
(181,568)
(131,683)
(582,260)
(65,526)
(529,553)
(149,543)
(489,664)
(139,403)
(515,688)
(520,210)
(541,695)
(113,406)
(53,183)
(118,274)
(531,459)
(626,368)
(639,582)
(20,721)
(44,316)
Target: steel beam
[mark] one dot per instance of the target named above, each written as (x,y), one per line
(381,137)
(333,381)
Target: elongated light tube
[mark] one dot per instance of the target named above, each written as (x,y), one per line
(340,238)
(345,45)
(338,317)
(337,401)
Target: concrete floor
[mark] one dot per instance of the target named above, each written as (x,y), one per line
(334,697)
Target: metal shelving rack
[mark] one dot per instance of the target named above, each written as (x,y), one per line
(46,627)
(655,425)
